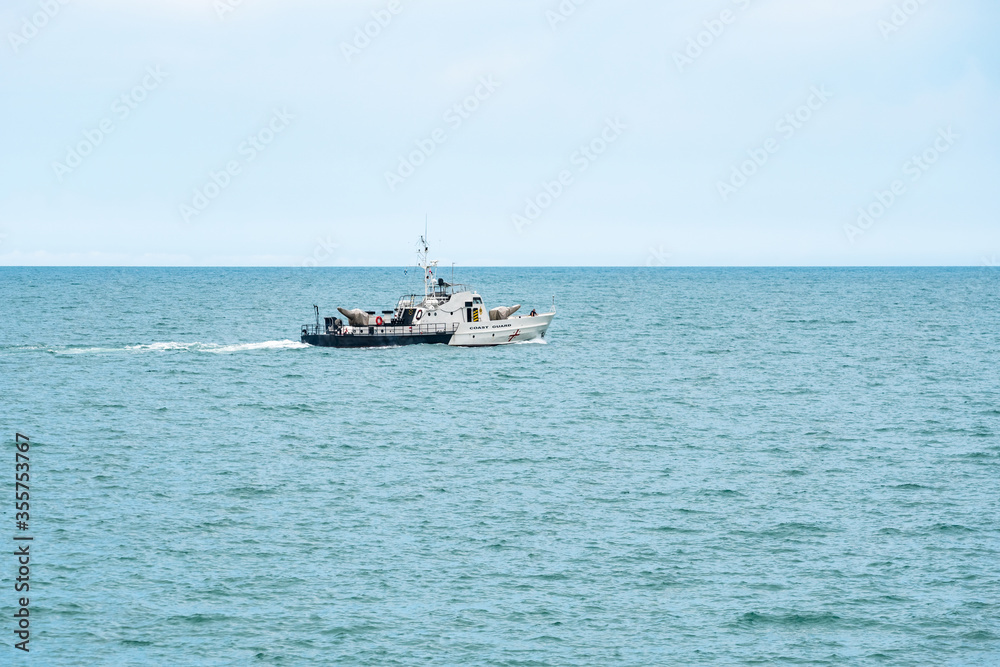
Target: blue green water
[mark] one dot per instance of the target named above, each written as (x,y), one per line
(699,466)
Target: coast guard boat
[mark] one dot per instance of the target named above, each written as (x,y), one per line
(446,313)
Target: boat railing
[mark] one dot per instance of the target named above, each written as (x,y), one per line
(384,330)
(439,292)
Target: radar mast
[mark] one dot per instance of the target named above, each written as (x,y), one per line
(428,265)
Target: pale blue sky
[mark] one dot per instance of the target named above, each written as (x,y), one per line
(330,122)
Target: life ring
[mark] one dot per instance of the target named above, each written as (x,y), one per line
(379,321)
(420,314)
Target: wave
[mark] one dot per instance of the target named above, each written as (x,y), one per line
(219,348)
(172,346)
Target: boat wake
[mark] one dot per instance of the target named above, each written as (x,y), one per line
(212,348)
(533,341)
(221,349)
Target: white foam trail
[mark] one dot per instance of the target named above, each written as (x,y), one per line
(190,347)
(533,341)
(161,346)
(266,345)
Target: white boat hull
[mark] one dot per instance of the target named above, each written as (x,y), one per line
(517,329)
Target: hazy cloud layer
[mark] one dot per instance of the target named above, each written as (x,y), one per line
(146,132)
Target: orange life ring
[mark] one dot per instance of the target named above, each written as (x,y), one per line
(420,314)
(379,321)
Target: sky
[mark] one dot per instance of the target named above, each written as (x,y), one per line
(532,133)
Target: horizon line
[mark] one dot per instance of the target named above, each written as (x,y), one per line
(505,266)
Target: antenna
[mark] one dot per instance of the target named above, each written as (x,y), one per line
(428,265)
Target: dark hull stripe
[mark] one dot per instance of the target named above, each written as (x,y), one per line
(326,340)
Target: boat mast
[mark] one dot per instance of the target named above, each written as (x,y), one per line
(427,265)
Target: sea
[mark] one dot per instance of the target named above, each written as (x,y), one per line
(719,466)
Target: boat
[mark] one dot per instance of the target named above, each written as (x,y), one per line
(446,314)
